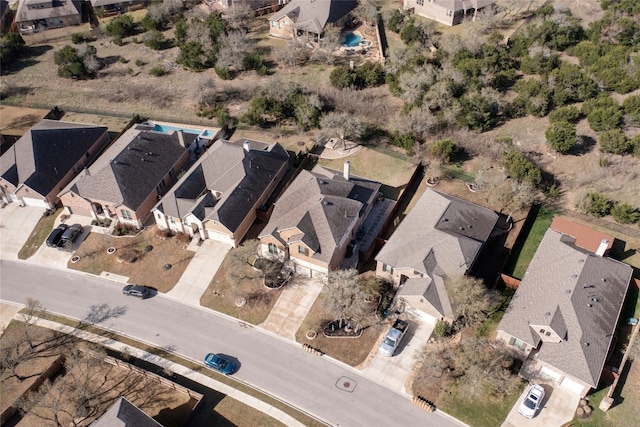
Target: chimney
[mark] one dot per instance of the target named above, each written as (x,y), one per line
(181,138)
(246,146)
(346,171)
(603,247)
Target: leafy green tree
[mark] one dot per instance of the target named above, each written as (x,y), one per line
(155,40)
(561,136)
(342,77)
(601,101)
(479,110)
(569,114)
(602,119)
(410,32)
(571,84)
(614,141)
(631,106)
(534,97)
(396,21)
(148,23)
(624,213)
(71,64)
(445,150)
(520,168)
(11,45)
(595,204)
(121,26)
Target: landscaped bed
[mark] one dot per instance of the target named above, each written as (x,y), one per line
(151,249)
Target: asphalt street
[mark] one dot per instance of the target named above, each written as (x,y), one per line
(326,389)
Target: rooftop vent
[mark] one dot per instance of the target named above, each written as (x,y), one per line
(586,344)
(589,305)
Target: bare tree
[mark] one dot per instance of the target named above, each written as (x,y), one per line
(345,297)
(30,316)
(367,12)
(239,14)
(240,262)
(293,54)
(329,42)
(470,299)
(234,46)
(343,125)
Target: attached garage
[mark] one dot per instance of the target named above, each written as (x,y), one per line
(551,374)
(38,203)
(303,271)
(220,237)
(574,387)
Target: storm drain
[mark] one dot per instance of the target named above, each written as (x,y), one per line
(346,384)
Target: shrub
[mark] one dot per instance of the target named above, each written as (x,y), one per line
(10,47)
(140,63)
(520,168)
(396,21)
(343,77)
(561,136)
(155,40)
(595,204)
(158,71)
(224,73)
(440,329)
(635,145)
(404,140)
(569,114)
(624,213)
(601,101)
(128,255)
(614,141)
(445,150)
(73,65)
(79,38)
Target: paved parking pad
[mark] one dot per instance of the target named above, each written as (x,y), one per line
(558,408)
(394,371)
(16,224)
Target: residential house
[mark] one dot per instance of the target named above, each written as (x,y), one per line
(39,15)
(131,176)
(46,158)
(124,413)
(310,17)
(447,12)
(563,315)
(256,5)
(118,6)
(316,218)
(220,194)
(440,238)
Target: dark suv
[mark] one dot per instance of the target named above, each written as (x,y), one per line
(136,291)
(70,235)
(54,237)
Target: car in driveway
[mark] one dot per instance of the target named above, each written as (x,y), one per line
(532,401)
(70,235)
(220,363)
(56,234)
(137,291)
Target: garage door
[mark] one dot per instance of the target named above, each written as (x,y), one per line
(219,237)
(572,386)
(39,203)
(550,373)
(303,271)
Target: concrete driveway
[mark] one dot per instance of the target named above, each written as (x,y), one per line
(58,258)
(394,371)
(558,408)
(16,224)
(200,271)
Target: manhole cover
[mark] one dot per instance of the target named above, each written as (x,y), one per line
(346,384)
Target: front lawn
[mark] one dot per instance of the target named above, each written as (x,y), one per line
(152,252)
(38,235)
(522,253)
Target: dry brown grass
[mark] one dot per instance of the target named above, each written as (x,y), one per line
(352,351)
(147,270)
(222,293)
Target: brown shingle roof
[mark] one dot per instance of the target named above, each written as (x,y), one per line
(586,238)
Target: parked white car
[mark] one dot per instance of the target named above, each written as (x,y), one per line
(532,401)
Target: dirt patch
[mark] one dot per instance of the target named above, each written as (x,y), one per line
(16,121)
(148,269)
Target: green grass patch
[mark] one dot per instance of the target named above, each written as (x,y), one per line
(197,367)
(456,172)
(38,235)
(597,418)
(522,253)
(487,412)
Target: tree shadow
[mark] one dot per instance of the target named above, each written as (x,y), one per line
(584,145)
(26,59)
(98,313)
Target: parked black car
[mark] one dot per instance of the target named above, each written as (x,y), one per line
(136,291)
(70,235)
(55,235)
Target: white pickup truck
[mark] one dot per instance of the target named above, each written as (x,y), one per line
(393,338)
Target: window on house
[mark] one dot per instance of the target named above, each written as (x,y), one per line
(548,334)
(274,23)
(273,249)
(172,174)
(126,214)
(420,2)
(302,250)
(160,186)
(387,268)
(517,343)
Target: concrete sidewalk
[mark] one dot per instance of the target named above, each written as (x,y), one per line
(211,383)
(292,307)
(200,271)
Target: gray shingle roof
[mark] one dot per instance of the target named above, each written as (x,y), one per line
(130,170)
(576,292)
(314,15)
(47,152)
(444,229)
(240,176)
(25,13)
(125,414)
(322,205)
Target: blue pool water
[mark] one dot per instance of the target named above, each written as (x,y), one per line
(352,40)
(167,129)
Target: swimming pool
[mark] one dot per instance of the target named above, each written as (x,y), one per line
(352,39)
(202,133)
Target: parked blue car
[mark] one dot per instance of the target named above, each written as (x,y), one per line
(219,363)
